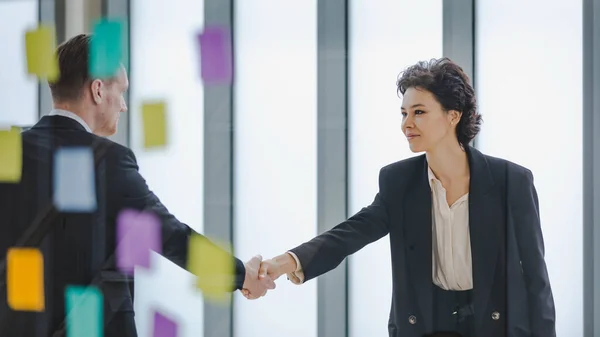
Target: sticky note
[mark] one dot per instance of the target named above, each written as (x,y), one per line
(25,279)
(213,267)
(85,311)
(163,326)
(137,234)
(106,48)
(155,124)
(215,55)
(11,155)
(74,180)
(40,47)
(125,34)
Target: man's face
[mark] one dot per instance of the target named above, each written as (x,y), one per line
(111,104)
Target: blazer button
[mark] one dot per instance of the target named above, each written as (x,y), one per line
(495,315)
(412,319)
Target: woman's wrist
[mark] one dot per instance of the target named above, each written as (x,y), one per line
(286,262)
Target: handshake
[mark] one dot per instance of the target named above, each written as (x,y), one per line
(261,275)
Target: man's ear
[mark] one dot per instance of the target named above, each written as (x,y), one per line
(97,91)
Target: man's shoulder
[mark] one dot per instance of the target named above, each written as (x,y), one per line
(112,147)
(54,139)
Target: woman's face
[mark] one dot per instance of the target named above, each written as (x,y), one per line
(424,122)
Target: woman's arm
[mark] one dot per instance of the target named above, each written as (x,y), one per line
(328,250)
(525,211)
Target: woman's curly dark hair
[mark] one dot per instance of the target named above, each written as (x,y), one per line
(450,85)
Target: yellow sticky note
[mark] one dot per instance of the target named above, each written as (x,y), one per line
(40,46)
(213,266)
(10,155)
(25,279)
(155,124)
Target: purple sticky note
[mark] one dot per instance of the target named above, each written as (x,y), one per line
(163,326)
(215,53)
(137,234)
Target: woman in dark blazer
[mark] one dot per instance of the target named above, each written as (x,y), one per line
(466,243)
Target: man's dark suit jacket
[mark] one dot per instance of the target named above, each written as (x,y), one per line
(509,272)
(80,247)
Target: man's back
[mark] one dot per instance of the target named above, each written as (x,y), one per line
(78,247)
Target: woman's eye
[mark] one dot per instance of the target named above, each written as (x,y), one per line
(418,112)
(403,114)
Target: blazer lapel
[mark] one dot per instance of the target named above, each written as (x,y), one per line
(485,230)
(417,227)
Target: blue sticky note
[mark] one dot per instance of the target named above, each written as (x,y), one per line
(106,48)
(84,310)
(74,180)
(216,57)
(164,326)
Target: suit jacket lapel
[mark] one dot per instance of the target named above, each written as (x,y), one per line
(417,226)
(485,230)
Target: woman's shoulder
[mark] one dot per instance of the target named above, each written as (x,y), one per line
(502,166)
(405,165)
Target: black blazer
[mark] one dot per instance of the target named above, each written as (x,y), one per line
(80,247)
(509,272)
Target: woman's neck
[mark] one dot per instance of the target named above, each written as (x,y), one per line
(448,162)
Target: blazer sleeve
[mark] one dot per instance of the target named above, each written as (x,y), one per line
(128,189)
(530,242)
(326,251)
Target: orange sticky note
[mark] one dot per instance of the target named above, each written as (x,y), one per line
(41,55)
(25,279)
(10,155)
(155,124)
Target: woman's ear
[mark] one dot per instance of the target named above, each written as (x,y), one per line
(454,116)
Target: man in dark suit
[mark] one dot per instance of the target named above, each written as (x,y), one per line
(78,248)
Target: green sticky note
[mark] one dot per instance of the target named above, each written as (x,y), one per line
(41,55)
(213,266)
(10,155)
(155,128)
(84,311)
(106,48)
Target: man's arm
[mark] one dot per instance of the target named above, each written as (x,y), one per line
(528,231)
(128,189)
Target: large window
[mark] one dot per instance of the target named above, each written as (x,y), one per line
(529,85)
(384,39)
(275,154)
(164,58)
(18,90)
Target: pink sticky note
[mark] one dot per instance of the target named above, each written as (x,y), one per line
(163,326)
(137,234)
(215,53)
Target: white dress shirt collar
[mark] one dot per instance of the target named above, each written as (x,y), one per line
(69,114)
(431,176)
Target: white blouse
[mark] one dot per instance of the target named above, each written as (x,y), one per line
(451,241)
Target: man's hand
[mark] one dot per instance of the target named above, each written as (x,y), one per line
(254,287)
